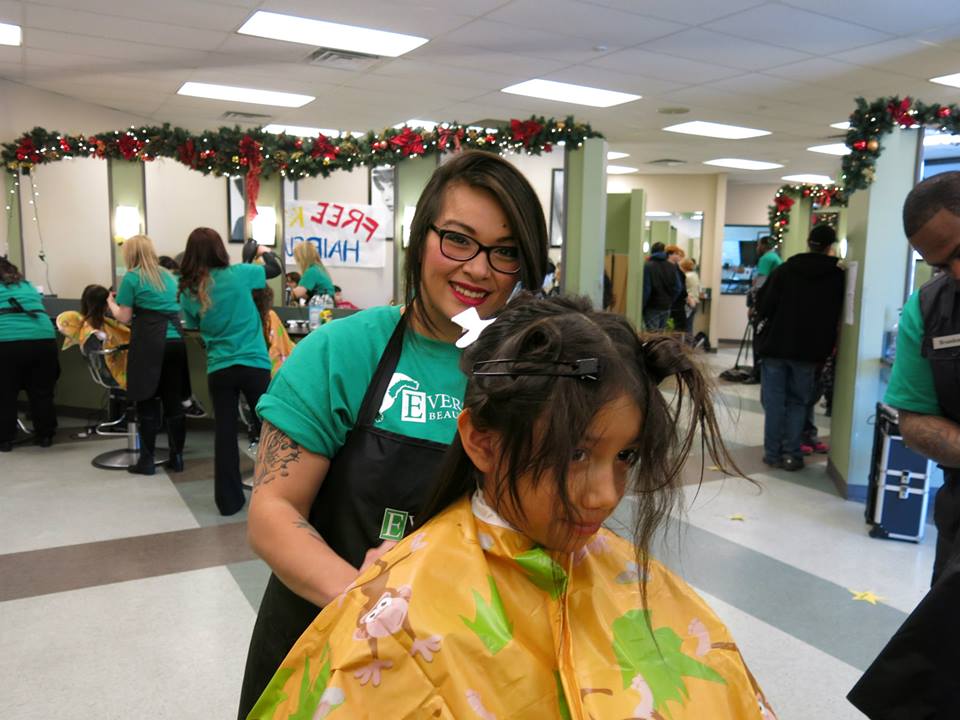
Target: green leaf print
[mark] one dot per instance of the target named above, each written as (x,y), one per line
(543,572)
(562,698)
(273,696)
(661,663)
(310,692)
(490,623)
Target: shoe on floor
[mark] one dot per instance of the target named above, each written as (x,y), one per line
(821,448)
(194,409)
(792,463)
(44,442)
(806,449)
(773,462)
(6,446)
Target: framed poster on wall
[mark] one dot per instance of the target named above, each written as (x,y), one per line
(383,179)
(556,208)
(236,207)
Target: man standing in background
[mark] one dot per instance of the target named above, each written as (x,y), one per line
(661,287)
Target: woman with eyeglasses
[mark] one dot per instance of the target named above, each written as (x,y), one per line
(358,418)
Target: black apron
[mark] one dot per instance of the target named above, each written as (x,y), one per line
(148,335)
(374,479)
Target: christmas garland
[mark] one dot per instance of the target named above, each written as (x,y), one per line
(787,195)
(257,154)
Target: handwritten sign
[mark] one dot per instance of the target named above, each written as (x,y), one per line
(346,234)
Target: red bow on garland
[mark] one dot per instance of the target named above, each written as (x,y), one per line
(901,112)
(784,203)
(825,197)
(525,130)
(129,146)
(250,150)
(187,154)
(323,147)
(27,151)
(408,142)
(445,135)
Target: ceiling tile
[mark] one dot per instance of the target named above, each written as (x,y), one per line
(692,12)
(897,18)
(186,13)
(600,25)
(667,67)
(11,12)
(613,80)
(421,72)
(103,48)
(706,46)
(506,38)
(797,29)
(474,57)
(905,56)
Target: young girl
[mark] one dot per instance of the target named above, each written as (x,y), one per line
(509,599)
(77,327)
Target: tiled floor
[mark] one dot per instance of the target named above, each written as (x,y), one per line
(129,597)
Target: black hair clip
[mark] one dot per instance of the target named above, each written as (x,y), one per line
(585,368)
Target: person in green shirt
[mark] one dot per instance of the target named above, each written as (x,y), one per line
(358,419)
(28,358)
(216,300)
(315,280)
(157,358)
(768,262)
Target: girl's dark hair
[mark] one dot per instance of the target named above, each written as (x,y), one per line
(169,263)
(541,420)
(93,305)
(512,192)
(9,273)
(204,252)
(263,299)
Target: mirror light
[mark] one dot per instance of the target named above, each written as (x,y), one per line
(264,226)
(843,248)
(126,221)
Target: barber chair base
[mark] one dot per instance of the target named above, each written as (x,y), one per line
(123,458)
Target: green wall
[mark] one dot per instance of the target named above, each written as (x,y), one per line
(618,223)
(586,199)
(11,196)
(412,177)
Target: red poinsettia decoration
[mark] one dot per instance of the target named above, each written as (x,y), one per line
(524,131)
(65,146)
(187,154)
(27,151)
(322,147)
(783,203)
(408,142)
(901,112)
(252,152)
(129,146)
(446,134)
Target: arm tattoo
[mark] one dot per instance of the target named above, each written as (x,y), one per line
(310,529)
(277,452)
(938,438)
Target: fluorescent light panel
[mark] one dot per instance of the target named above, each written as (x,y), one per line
(303,131)
(565,92)
(951,80)
(845,125)
(10,34)
(741,164)
(659,214)
(832,149)
(716,130)
(620,170)
(247,95)
(613,155)
(809,178)
(320,33)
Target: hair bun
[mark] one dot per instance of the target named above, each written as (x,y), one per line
(664,356)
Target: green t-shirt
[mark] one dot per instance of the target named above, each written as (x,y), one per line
(769,262)
(20,326)
(317,281)
(230,326)
(316,395)
(136,292)
(911,382)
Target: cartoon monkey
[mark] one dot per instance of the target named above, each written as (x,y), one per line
(385,613)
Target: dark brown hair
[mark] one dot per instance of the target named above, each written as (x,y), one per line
(9,273)
(93,305)
(263,299)
(204,252)
(512,192)
(541,420)
(936,193)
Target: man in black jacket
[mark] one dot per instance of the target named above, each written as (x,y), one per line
(661,287)
(799,312)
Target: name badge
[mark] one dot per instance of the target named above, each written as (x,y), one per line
(946,341)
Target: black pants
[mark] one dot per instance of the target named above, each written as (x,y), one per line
(946,516)
(169,395)
(33,366)
(225,388)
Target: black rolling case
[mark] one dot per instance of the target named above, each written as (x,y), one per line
(899,487)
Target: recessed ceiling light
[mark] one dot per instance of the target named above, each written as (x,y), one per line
(832,149)
(613,155)
(425,124)
(845,125)
(10,34)
(327,34)
(951,80)
(565,92)
(658,213)
(809,178)
(620,170)
(741,164)
(716,130)
(240,94)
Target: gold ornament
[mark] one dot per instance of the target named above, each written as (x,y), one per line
(561,125)
(873,145)
(235,159)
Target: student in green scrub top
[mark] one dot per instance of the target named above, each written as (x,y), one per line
(157,359)
(315,280)
(768,260)
(216,300)
(358,418)
(28,358)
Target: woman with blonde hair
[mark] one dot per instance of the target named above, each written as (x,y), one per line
(315,280)
(157,359)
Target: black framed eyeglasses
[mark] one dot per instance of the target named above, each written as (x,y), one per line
(457,246)
(584,368)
